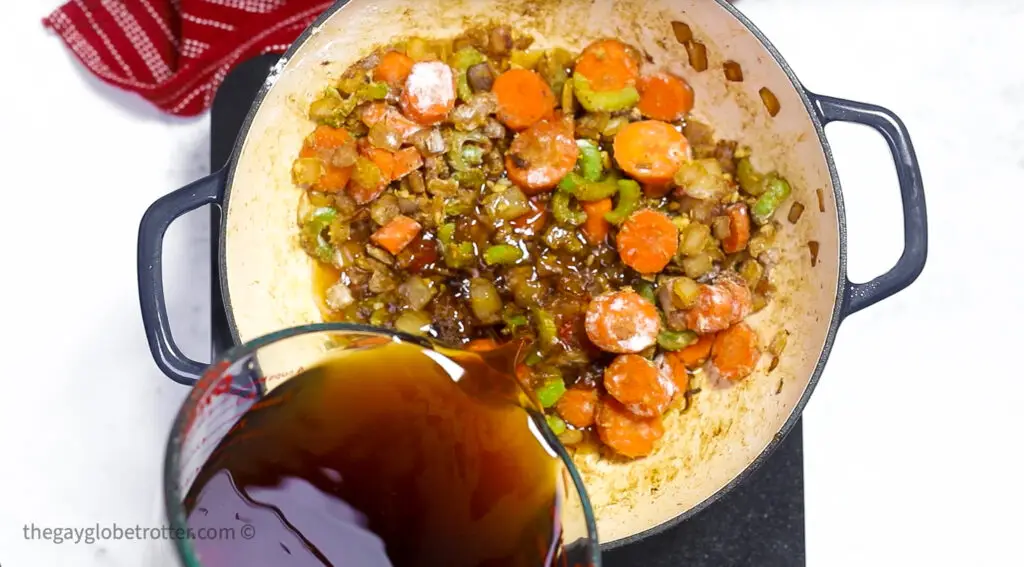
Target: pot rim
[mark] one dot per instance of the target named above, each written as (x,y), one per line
(841,285)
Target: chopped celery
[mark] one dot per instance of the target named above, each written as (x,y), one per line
(776,191)
(462,60)
(502,254)
(555,423)
(607,101)
(672,340)
(629,201)
(547,330)
(589,163)
(550,392)
(562,209)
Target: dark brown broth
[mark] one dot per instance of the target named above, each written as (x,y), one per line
(381,449)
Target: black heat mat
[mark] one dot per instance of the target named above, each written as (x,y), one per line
(759,524)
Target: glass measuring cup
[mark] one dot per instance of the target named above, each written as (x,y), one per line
(245,375)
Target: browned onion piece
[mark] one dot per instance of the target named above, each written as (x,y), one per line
(682,31)
(770,101)
(814,246)
(821,200)
(733,71)
(698,56)
(795,211)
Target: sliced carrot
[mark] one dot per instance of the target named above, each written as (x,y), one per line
(397,234)
(622,321)
(596,228)
(524,97)
(402,125)
(657,190)
(694,355)
(735,352)
(429,93)
(374,112)
(719,305)
(407,160)
(635,382)
(650,151)
(742,298)
(324,139)
(333,179)
(713,311)
(626,433)
(739,229)
(541,156)
(578,406)
(327,138)
(533,222)
(481,345)
(647,241)
(385,161)
(664,97)
(393,68)
(673,372)
(608,65)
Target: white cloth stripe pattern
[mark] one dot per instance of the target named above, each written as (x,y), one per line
(207,22)
(87,52)
(135,34)
(160,22)
(257,6)
(106,40)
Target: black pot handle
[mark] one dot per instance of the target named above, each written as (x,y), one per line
(169,358)
(908,172)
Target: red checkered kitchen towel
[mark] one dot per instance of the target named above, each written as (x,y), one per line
(175,53)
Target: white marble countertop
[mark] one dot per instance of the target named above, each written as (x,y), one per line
(912,439)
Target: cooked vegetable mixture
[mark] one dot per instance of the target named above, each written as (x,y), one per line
(476,190)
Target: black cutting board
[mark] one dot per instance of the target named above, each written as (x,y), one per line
(759,524)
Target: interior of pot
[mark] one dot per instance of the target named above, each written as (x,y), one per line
(269,285)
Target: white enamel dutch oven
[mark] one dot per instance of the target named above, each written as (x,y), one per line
(265,277)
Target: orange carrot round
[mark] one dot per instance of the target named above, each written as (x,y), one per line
(742,298)
(622,321)
(429,92)
(397,234)
(393,68)
(541,156)
(577,406)
(625,433)
(608,65)
(657,190)
(324,139)
(650,151)
(719,305)
(735,352)
(523,98)
(327,138)
(635,382)
(596,228)
(664,97)
(694,355)
(406,161)
(481,345)
(739,229)
(647,241)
